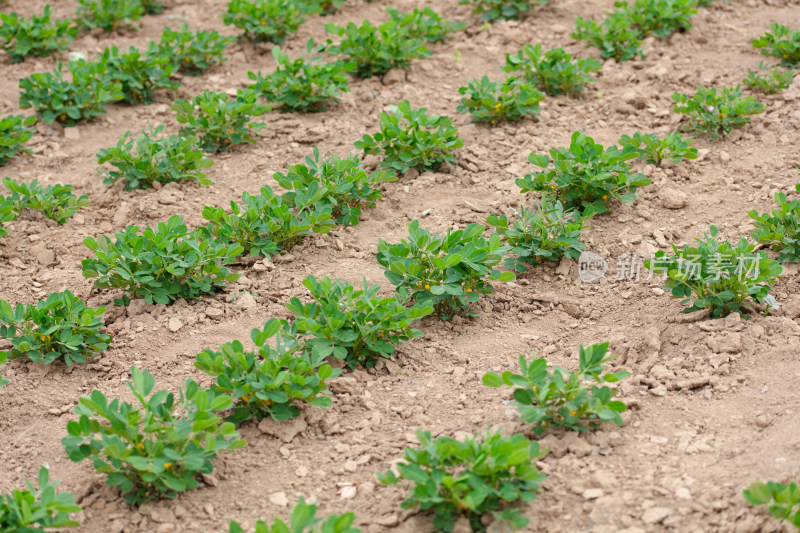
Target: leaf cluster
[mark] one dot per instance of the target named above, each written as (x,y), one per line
(267,224)
(109,15)
(268,381)
(658,17)
(32,509)
(615,37)
(56,202)
(377,50)
(38,36)
(348,186)
(60,327)
(780,229)
(553,72)
(716,113)
(412,138)
(139,75)
(783,43)
(304,84)
(561,398)
(161,264)
(425,24)
(447,272)
(351,323)
(492,102)
(190,52)
(719,276)
(585,175)
(157,447)
(471,478)
(545,232)
(264,20)
(57,100)
(491,10)
(15,130)
(769,81)
(149,159)
(218,121)
(304,520)
(782,500)
(651,149)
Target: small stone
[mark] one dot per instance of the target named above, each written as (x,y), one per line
(367,488)
(210,480)
(72,134)
(389,520)
(683,493)
(592,494)
(162,515)
(659,391)
(174,324)
(672,198)
(286,430)
(44,256)
(301,471)
(726,342)
(579,447)
(350,466)
(214,312)
(279,498)
(166,528)
(245,300)
(655,515)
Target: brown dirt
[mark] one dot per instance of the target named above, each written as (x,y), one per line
(714,403)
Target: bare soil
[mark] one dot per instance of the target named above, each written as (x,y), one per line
(714,404)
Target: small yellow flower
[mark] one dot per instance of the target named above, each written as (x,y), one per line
(469,290)
(427,287)
(139,445)
(572,413)
(167,465)
(263,22)
(605,197)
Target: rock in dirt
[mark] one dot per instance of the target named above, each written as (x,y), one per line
(672,198)
(72,134)
(279,498)
(462,526)
(245,300)
(214,312)
(44,256)
(592,494)
(174,324)
(725,342)
(655,515)
(286,430)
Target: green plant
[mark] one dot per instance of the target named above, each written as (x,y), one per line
(218,121)
(545,232)
(470,478)
(783,500)
(157,447)
(109,15)
(426,24)
(716,113)
(269,381)
(553,72)
(58,100)
(516,100)
(653,150)
(190,52)
(351,323)
(264,20)
(56,202)
(266,224)
(140,76)
(614,37)
(769,81)
(564,399)
(585,176)
(14,132)
(303,520)
(349,188)
(448,271)
(717,275)
(377,50)
(149,159)
(780,230)
(160,265)
(60,327)
(659,17)
(152,7)
(782,43)
(411,138)
(323,7)
(38,36)
(491,10)
(3,382)
(23,510)
(7,214)
(305,84)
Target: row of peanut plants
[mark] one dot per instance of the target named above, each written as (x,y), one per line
(424,287)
